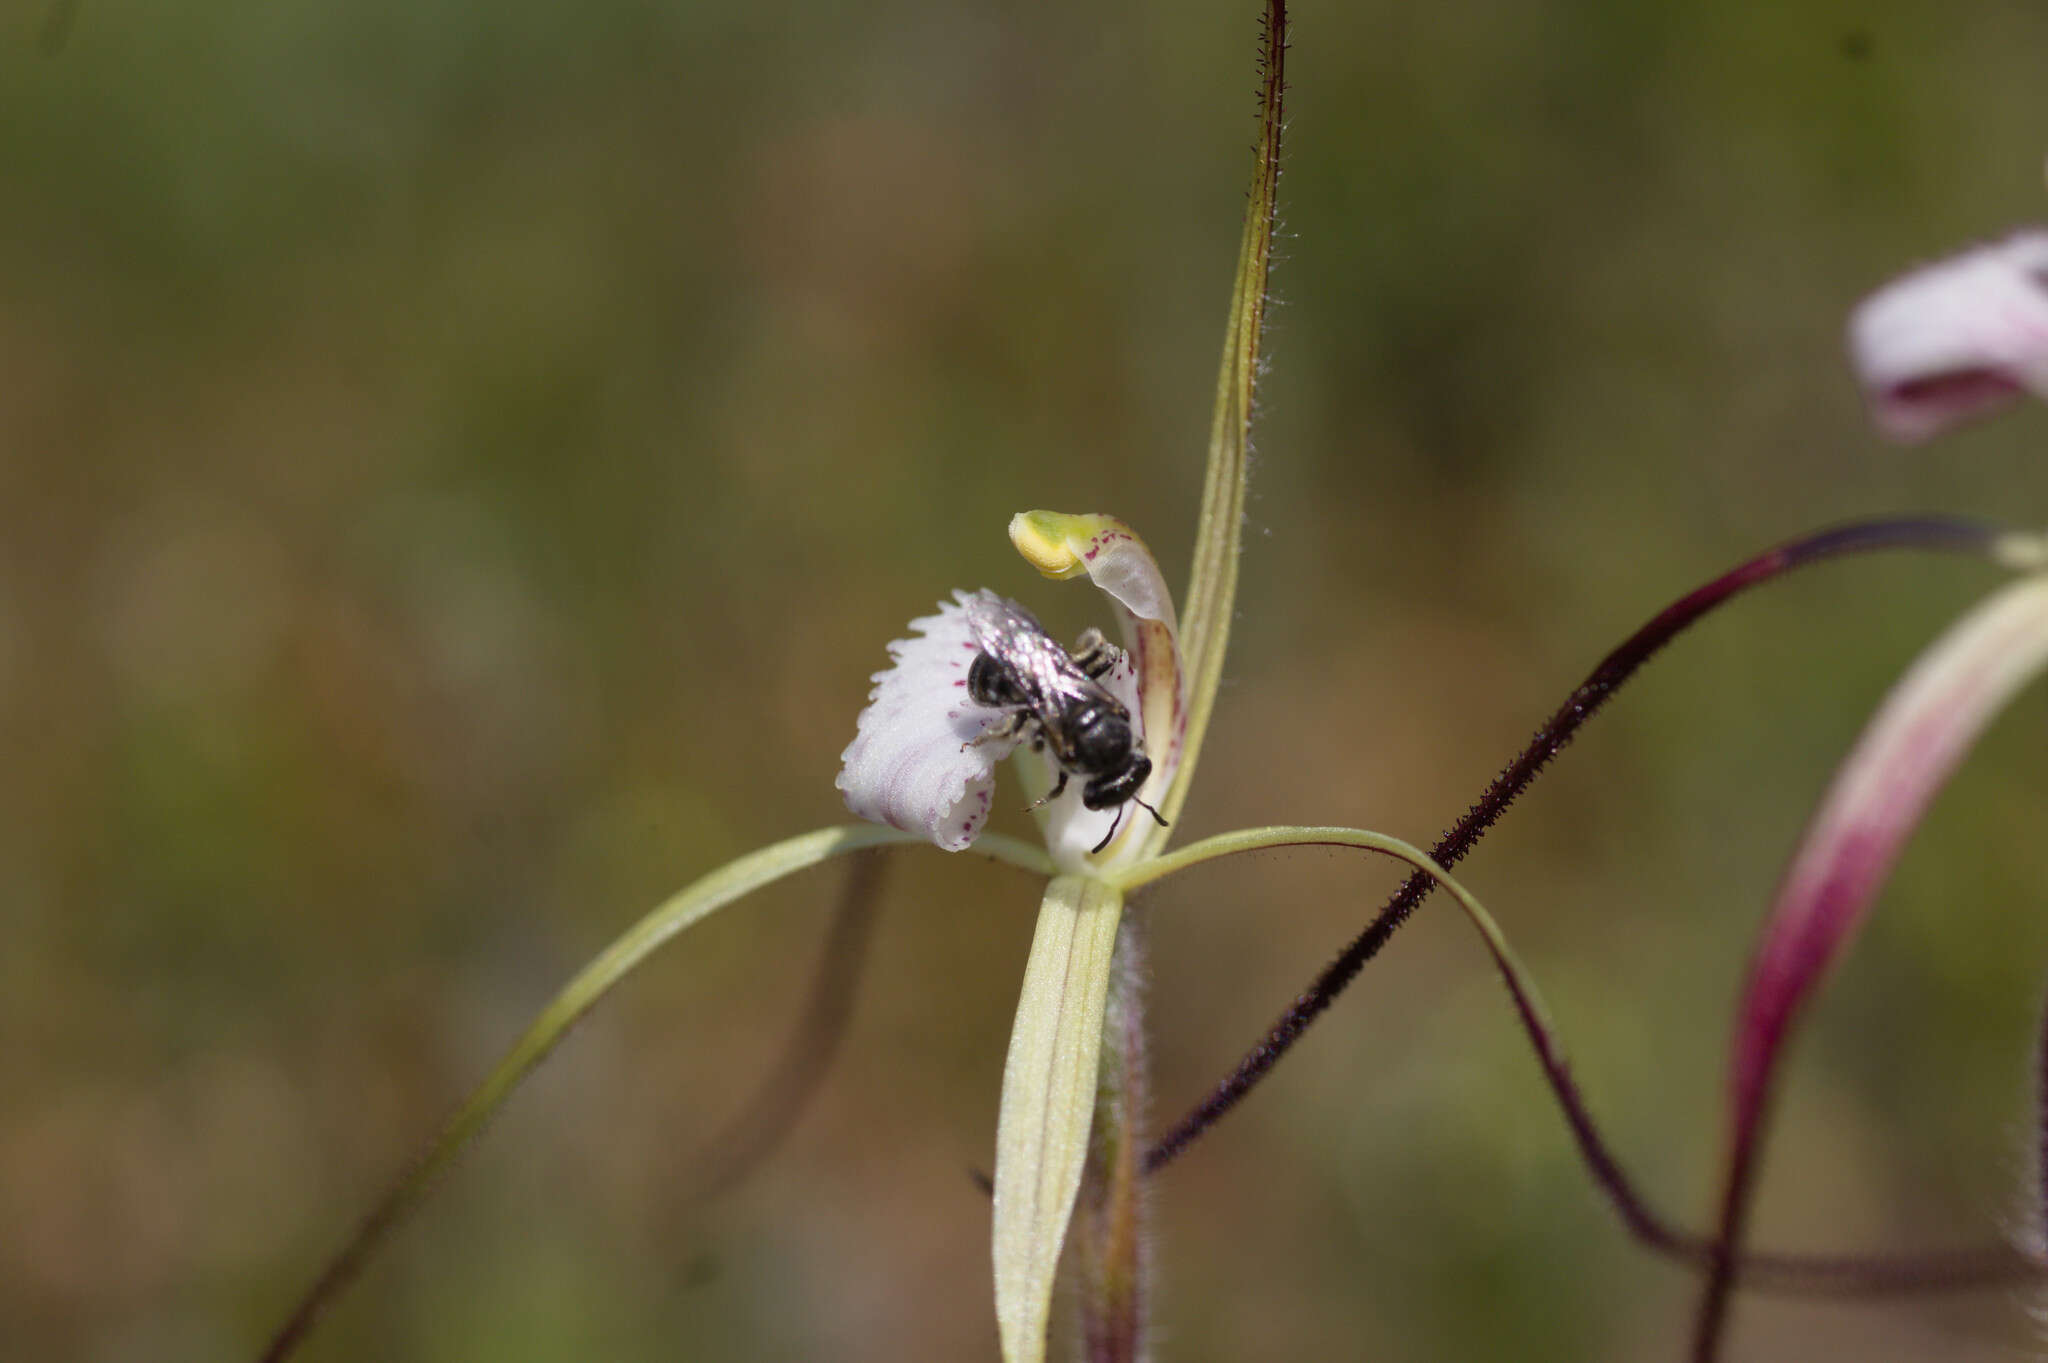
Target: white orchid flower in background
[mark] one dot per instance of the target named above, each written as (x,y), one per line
(1956,339)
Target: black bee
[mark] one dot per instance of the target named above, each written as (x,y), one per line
(1056,700)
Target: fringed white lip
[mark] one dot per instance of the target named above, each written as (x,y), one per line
(1955,340)
(915,762)
(919,760)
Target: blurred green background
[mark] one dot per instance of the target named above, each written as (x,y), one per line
(460,463)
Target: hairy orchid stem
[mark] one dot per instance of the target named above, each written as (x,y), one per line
(1785,1274)
(1111,1252)
(1212,580)
(1926,534)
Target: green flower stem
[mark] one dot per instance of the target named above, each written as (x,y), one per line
(685,909)
(1212,585)
(1776,1273)
(1259,839)
(1109,1230)
(1049,1089)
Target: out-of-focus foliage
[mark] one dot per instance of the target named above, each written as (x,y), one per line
(459,464)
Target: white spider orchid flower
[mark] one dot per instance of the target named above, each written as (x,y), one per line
(922,761)
(1956,339)
(921,769)
(924,752)
(1068,1071)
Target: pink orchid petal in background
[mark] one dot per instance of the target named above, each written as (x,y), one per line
(1908,750)
(1955,340)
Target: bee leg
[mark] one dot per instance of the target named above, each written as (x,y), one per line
(1096,656)
(1052,794)
(1003,732)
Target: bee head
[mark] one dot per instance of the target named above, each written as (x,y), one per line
(1113,788)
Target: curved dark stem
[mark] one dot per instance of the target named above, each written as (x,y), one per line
(1789,1274)
(1804,1275)
(1711,1320)
(1966,1269)
(767,1119)
(1938,534)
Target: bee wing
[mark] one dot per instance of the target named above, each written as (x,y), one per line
(1013,637)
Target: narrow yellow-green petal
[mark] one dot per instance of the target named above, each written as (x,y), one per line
(1212,588)
(1048,1101)
(690,906)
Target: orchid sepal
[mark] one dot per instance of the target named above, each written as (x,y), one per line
(1048,1102)
(1915,741)
(1955,340)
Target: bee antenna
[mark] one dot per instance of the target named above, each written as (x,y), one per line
(1113,824)
(1150,810)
